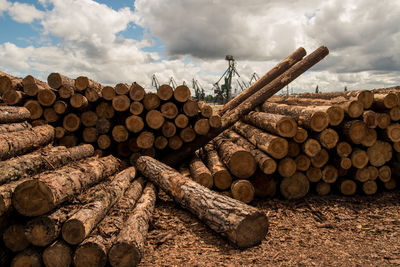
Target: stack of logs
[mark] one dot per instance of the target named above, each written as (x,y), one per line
(123,120)
(323,142)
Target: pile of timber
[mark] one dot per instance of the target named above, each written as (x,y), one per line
(124,120)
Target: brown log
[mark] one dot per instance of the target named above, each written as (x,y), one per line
(93,250)
(273,123)
(40,160)
(370,137)
(35,109)
(89,118)
(160,142)
(66,91)
(10,114)
(9,82)
(136,108)
(50,115)
(200,173)
(136,92)
(175,142)
(14,97)
(93,93)
(311,147)
(151,101)
(243,225)
(187,134)
(370,118)
(181,93)
(129,246)
(384,173)
(215,121)
(121,103)
(108,93)
(170,111)
(243,191)
(343,149)
(191,108)
(69,141)
(181,121)
(373,172)
(286,167)
(58,254)
(267,164)
(329,174)
(79,225)
(202,127)
(264,185)
(16,143)
(344,163)
(384,101)
(6,192)
(105,110)
(120,133)
(165,92)
(145,140)
(205,109)
(359,158)
(14,238)
(134,123)
(56,80)
(302,162)
(29,257)
(103,141)
(36,123)
(300,136)
(396,146)
(293,149)
(122,89)
(89,135)
(319,160)
(274,146)
(60,107)
(393,132)
(369,187)
(295,186)
(103,125)
(238,160)
(328,138)
(267,78)
(394,113)
(323,188)
(53,188)
(361,175)
(314,174)
(391,185)
(154,119)
(78,101)
(71,122)
(14,127)
(168,129)
(222,178)
(354,131)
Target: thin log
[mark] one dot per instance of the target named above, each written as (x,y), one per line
(191,108)
(187,135)
(181,121)
(122,89)
(320,159)
(311,147)
(222,178)
(200,173)
(145,140)
(302,162)
(243,191)
(29,257)
(120,134)
(154,119)
(121,103)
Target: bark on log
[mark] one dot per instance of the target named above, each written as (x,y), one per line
(6,192)
(8,82)
(222,178)
(17,143)
(383,102)
(52,188)
(14,238)
(10,114)
(128,249)
(14,127)
(295,186)
(267,78)
(14,97)
(58,254)
(29,257)
(79,226)
(243,225)
(200,173)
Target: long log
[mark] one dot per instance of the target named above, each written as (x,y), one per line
(52,188)
(243,225)
(222,178)
(58,254)
(35,109)
(14,127)
(29,257)
(9,114)
(6,192)
(273,123)
(200,173)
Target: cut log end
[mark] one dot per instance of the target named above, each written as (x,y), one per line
(323,188)
(242,190)
(295,186)
(355,109)
(182,93)
(108,93)
(165,92)
(59,254)
(134,123)
(73,231)
(319,121)
(89,254)
(393,132)
(370,187)
(46,97)
(136,92)
(311,147)
(278,148)
(343,149)
(40,231)
(222,179)
(348,187)
(14,238)
(124,255)
(242,164)
(314,174)
(336,115)
(329,138)
(154,119)
(287,127)
(286,167)
(300,136)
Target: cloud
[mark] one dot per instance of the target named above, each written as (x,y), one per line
(24,13)
(4,5)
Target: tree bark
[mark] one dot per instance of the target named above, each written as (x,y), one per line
(14,127)
(273,123)
(9,114)
(384,102)
(221,176)
(8,82)
(52,188)
(295,186)
(200,173)
(243,225)
(58,254)
(6,192)
(14,97)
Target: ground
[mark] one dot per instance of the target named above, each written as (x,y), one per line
(314,231)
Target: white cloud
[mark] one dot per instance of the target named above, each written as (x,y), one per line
(24,13)
(4,5)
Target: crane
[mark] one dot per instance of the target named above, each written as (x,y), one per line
(154,82)
(254,78)
(224,93)
(172,83)
(198,90)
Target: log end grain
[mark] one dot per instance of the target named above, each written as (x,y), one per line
(287,127)
(295,186)
(222,179)
(336,115)
(90,254)
(108,93)
(215,121)
(311,147)
(55,80)
(73,231)
(29,257)
(81,83)
(165,92)
(319,121)
(145,140)
(121,103)
(243,190)
(40,231)
(136,92)
(46,97)
(286,167)
(383,120)
(202,127)
(154,119)
(181,121)
(329,138)
(124,255)
(14,238)
(34,108)
(242,164)
(187,134)
(355,109)
(182,93)
(320,159)
(301,135)
(348,187)
(370,187)
(59,254)
(134,123)
(343,149)
(393,132)
(314,174)
(323,188)
(151,101)
(329,174)
(136,108)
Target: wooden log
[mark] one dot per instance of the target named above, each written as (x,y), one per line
(136,92)
(55,187)
(145,140)
(243,225)
(354,131)
(390,185)
(120,134)
(13,114)
(384,173)
(79,225)
(393,132)
(6,192)
(170,111)
(370,118)
(329,174)
(181,121)
(122,89)
(277,124)
(89,118)
(267,78)
(165,92)
(343,163)
(359,158)
(40,160)
(243,191)
(160,142)
(205,109)
(14,127)
(129,246)
(29,257)
(14,97)
(36,123)
(134,124)
(373,172)
(108,93)
(57,80)
(105,110)
(361,175)
(14,238)
(175,142)
(300,136)
(302,162)
(191,108)
(215,121)
(151,101)
(181,93)
(394,113)
(286,167)
(93,250)
(370,137)
(78,101)
(103,125)
(238,160)
(121,103)
(35,109)
(58,254)
(274,146)
(264,185)
(136,108)
(311,147)
(319,160)
(311,118)
(293,149)
(154,119)
(384,101)
(66,92)
(295,186)
(8,82)
(328,138)
(60,107)
(187,134)
(200,173)
(16,143)
(314,174)
(50,115)
(70,140)
(168,129)
(343,149)
(370,187)
(201,127)
(71,122)
(323,188)
(93,93)
(89,135)
(396,146)
(383,120)
(267,164)
(222,178)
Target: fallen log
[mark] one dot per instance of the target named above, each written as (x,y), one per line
(58,254)
(14,127)
(9,114)
(222,178)
(200,173)
(273,123)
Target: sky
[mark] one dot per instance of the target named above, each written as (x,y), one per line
(113,41)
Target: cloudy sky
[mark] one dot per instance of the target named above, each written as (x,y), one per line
(115,41)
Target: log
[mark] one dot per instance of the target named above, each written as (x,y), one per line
(14,97)
(136,108)
(154,119)
(328,138)
(354,131)
(35,109)
(329,174)
(343,149)
(120,134)
(56,80)
(391,185)
(181,121)
(58,254)
(168,129)
(238,160)
(187,135)
(267,78)
(105,110)
(50,115)
(243,191)
(6,192)
(384,101)
(103,125)
(191,108)
(394,113)
(79,225)
(89,118)
(14,127)
(311,117)
(60,107)
(108,93)
(383,120)
(361,175)
(370,118)
(69,141)
(181,93)
(286,167)
(369,187)
(14,238)
(29,257)
(66,92)
(122,89)
(393,132)
(93,93)
(267,164)
(314,174)
(384,173)
(201,127)
(78,101)
(175,142)
(151,101)
(16,143)
(264,185)
(215,121)
(89,135)
(370,137)
(134,123)
(136,92)
(52,188)
(373,172)
(145,140)
(311,147)
(293,149)
(222,178)
(243,225)
(200,173)
(359,158)
(205,109)
(302,162)
(300,136)
(295,186)
(71,122)
(93,250)
(170,111)
(36,123)
(273,123)
(8,82)
(160,142)
(165,92)
(323,188)
(319,160)
(121,103)
(13,114)
(40,160)
(129,246)
(274,146)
